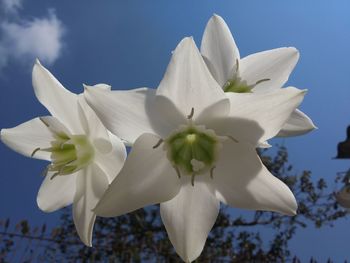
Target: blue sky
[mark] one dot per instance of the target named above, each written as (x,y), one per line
(128,44)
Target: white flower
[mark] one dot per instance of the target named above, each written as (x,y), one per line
(84,156)
(257,73)
(194,148)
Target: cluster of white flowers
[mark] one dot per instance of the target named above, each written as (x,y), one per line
(193,139)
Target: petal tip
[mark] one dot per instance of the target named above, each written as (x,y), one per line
(37,62)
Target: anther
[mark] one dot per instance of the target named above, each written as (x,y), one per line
(192,179)
(262,80)
(54,175)
(191,114)
(158,144)
(177,171)
(34,152)
(212,172)
(42,120)
(232,138)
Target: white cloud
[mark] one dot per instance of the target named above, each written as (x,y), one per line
(24,40)
(11,6)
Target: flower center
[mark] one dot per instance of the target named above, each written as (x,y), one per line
(192,150)
(69,153)
(238,85)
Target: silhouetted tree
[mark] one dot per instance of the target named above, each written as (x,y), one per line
(141,236)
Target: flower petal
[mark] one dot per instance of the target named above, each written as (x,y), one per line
(219,50)
(217,110)
(112,162)
(60,102)
(189,217)
(101,86)
(297,124)
(275,65)
(242,181)
(147,178)
(188,82)
(257,117)
(27,137)
(57,193)
(127,113)
(91,185)
(93,127)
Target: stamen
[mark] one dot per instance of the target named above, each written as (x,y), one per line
(232,138)
(262,80)
(212,172)
(34,152)
(54,175)
(42,120)
(192,179)
(158,144)
(191,114)
(177,172)
(66,165)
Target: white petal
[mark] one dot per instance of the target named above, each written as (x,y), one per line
(243,181)
(189,217)
(257,117)
(276,65)
(127,113)
(99,86)
(113,161)
(219,50)
(147,178)
(264,145)
(57,193)
(297,124)
(60,102)
(188,82)
(27,137)
(217,110)
(90,187)
(54,125)
(343,197)
(93,127)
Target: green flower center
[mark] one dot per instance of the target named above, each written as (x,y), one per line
(69,153)
(192,150)
(238,86)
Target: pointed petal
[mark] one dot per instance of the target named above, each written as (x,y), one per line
(264,145)
(343,196)
(101,86)
(92,125)
(257,117)
(127,113)
(147,178)
(189,217)
(188,82)
(242,181)
(56,193)
(90,187)
(112,162)
(60,102)
(276,65)
(27,137)
(219,50)
(297,124)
